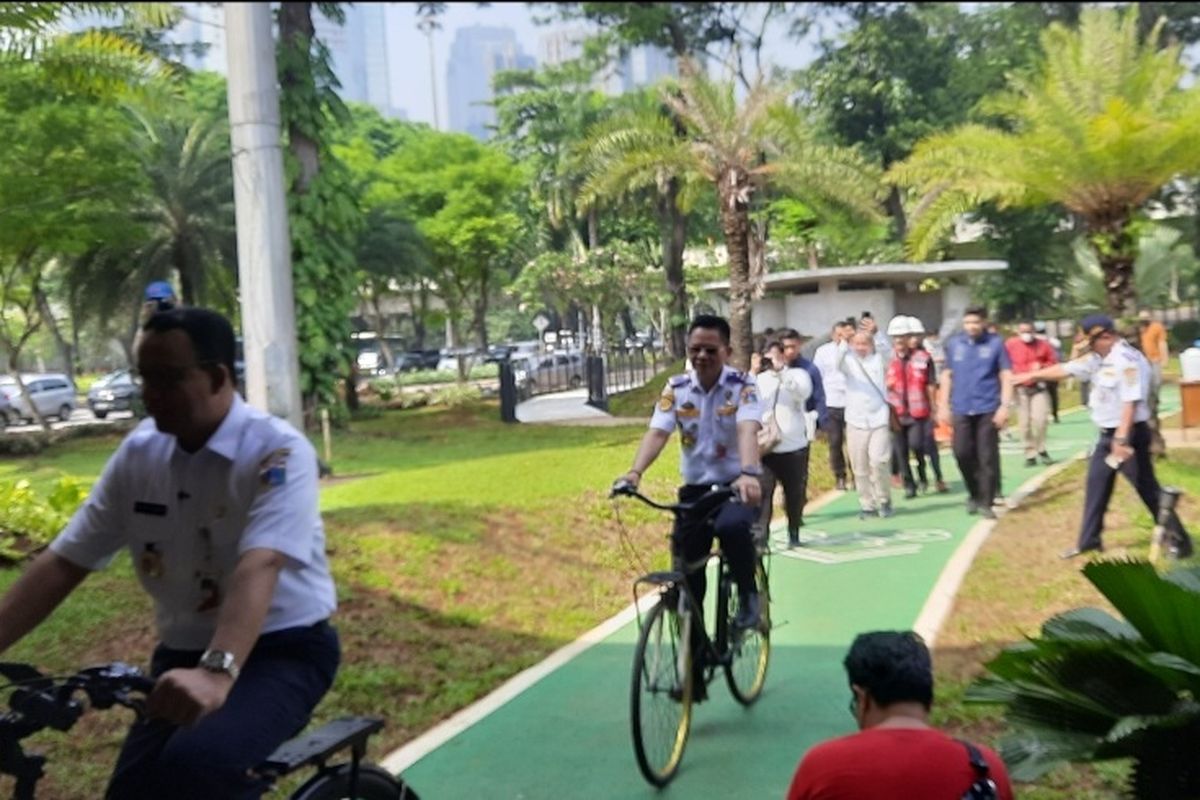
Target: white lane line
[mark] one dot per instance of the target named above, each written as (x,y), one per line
(412,752)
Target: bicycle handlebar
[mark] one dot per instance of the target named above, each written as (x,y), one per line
(710,500)
(41,701)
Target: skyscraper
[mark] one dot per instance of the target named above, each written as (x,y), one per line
(631,69)
(477,54)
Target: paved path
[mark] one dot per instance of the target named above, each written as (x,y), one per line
(565,733)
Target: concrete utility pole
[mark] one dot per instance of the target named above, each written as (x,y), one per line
(264,247)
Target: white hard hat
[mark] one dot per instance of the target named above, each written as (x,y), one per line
(915,325)
(899,326)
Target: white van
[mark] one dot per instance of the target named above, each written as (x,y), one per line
(52,393)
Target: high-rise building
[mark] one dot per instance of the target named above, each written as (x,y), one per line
(632,69)
(477,54)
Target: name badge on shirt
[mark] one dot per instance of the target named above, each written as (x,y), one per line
(153,509)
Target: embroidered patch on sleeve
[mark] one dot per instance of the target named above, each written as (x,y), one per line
(1131,376)
(272,470)
(749,395)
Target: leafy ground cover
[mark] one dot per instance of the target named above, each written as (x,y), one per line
(1017,582)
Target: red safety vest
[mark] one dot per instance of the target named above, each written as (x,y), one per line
(907,382)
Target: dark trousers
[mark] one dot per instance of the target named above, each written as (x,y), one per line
(977,451)
(790,470)
(1139,471)
(837,442)
(284,677)
(916,438)
(1052,387)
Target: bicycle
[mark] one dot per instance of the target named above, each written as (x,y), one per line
(40,701)
(662,687)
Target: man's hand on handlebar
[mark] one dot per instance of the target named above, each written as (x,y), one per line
(625,484)
(183,696)
(748,490)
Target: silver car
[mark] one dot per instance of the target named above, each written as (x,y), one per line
(52,393)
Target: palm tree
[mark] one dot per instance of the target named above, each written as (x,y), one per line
(1099,129)
(738,149)
(1094,687)
(188,206)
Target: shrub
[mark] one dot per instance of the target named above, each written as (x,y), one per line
(456,395)
(1183,333)
(28,522)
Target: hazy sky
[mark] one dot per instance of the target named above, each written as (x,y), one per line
(408,54)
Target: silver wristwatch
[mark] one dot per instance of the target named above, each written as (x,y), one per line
(219,661)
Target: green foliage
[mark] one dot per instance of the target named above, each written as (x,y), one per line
(457,395)
(1164,262)
(1036,282)
(1093,687)
(29,521)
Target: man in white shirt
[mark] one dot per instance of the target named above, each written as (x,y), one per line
(835,397)
(783,393)
(217,504)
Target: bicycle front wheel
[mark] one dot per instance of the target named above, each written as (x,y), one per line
(374,783)
(750,650)
(661,694)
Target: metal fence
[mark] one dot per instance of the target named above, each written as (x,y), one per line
(620,371)
(1167,315)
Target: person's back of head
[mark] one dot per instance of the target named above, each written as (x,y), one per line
(891,667)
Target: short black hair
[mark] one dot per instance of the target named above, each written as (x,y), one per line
(788,333)
(892,667)
(845,323)
(976,311)
(210,332)
(711,322)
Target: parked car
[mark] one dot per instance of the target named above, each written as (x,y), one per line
(52,393)
(116,391)
(558,369)
(8,414)
(449,359)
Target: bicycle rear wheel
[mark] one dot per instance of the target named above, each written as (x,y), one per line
(750,649)
(374,783)
(661,694)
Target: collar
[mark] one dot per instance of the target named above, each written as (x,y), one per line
(224,441)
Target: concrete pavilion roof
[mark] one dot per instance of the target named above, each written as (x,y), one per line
(896,273)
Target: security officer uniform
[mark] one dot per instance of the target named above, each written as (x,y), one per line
(186,519)
(1122,376)
(707,423)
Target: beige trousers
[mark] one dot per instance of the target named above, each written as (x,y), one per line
(1034,411)
(871,460)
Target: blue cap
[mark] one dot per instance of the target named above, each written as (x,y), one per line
(159,290)
(1096,324)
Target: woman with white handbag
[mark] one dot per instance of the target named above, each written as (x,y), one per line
(783,440)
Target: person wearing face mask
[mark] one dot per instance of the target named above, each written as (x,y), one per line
(1028,353)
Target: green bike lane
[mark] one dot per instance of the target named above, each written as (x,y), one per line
(567,735)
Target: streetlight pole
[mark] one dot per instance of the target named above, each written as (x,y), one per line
(263,244)
(427,26)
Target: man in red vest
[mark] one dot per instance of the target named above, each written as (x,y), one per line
(1028,352)
(911,386)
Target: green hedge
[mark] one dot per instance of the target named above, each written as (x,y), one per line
(29,521)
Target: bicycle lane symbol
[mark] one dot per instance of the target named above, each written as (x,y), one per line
(823,547)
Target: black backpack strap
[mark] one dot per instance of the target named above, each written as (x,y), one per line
(982,770)
(983,787)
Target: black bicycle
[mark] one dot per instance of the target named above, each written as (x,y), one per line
(662,689)
(40,701)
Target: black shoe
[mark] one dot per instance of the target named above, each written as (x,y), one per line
(866,513)
(1045,457)
(942,488)
(747,616)
(886,511)
(699,691)
(841,484)
(972,507)
(987,513)
(1056,419)
(1031,462)
(910,493)
(793,541)
(1178,551)
(1077,551)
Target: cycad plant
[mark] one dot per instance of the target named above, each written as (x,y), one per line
(1093,687)
(739,148)
(1099,128)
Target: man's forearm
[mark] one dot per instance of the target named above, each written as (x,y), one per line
(39,590)
(944,389)
(1126,423)
(652,444)
(1054,372)
(240,619)
(747,433)
(1006,387)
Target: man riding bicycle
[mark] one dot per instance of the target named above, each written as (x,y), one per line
(717,412)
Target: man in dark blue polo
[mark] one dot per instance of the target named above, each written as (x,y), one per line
(974,394)
(792,341)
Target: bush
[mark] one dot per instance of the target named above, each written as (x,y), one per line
(481,372)
(28,522)
(1183,333)
(456,396)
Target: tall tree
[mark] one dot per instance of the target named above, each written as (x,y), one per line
(737,148)
(1099,128)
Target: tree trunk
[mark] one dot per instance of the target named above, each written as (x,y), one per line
(894,204)
(352,403)
(296,28)
(1116,252)
(64,347)
(389,359)
(674,237)
(732,189)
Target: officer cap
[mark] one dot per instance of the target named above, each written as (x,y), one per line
(1096,324)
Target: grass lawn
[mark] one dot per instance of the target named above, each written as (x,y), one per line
(1018,581)
(464,551)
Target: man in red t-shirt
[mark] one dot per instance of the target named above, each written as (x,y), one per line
(896,753)
(1028,352)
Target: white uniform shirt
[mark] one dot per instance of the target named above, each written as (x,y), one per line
(832,378)
(707,423)
(866,406)
(187,518)
(1123,376)
(793,387)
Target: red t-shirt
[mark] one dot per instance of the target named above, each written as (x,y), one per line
(912,763)
(1028,356)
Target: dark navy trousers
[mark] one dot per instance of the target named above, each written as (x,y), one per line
(1139,471)
(283,679)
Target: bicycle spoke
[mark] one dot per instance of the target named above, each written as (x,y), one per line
(661,697)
